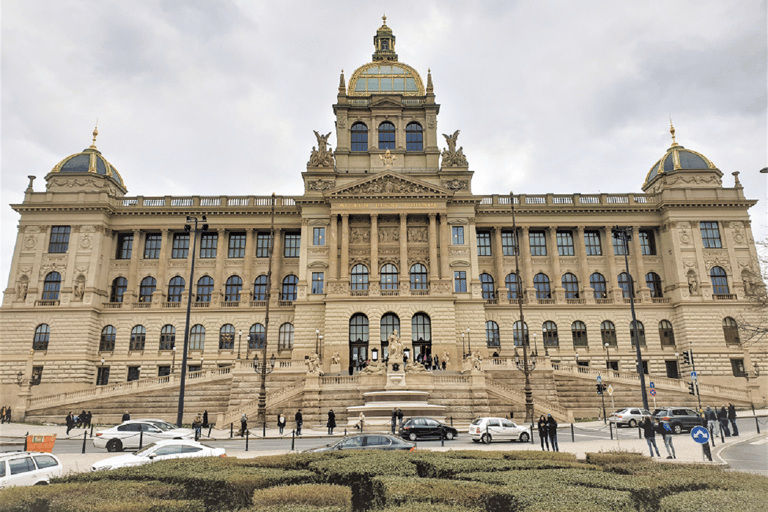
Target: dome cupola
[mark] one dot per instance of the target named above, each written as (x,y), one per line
(88,161)
(680,160)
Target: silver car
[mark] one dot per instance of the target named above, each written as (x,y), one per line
(630,416)
(498,429)
(28,468)
(161,450)
(131,433)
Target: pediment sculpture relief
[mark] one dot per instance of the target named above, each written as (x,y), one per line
(388,185)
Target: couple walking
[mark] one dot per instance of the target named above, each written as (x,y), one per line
(548,432)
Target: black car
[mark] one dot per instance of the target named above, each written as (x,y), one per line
(365,442)
(415,428)
(679,418)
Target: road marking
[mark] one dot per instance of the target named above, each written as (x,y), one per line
(760,441)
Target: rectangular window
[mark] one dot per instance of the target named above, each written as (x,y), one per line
(102,378)
(236,245)
(318,236)
(162,371)
(647,242)
(124,246)
(262,245)
(208,243)
(483,243)
(460,281)
(37,375)
(292,245)
(318,281)
(592,243)
(619,248)
(180,246)
(538,243)
(738,368)
(458,235)
(509,243)
(59,239)
(152,246)
(133,373)
(565,243)
(710,235)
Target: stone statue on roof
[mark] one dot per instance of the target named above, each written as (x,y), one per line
(322,156)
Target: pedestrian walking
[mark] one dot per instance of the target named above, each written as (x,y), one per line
(70,421)
(732,419)
(299,421)
(88,417)
(711,423)
(331,421)
(8,414)
(394,420)
(126,416)
(281,423)
(243,424)
(436,366)
(543,436)
(2,415)
(649,432)
(722,417)
(400,417)
(552,432)
(665,430)
(197,425)
(82,419)
(361,422)
(205,419)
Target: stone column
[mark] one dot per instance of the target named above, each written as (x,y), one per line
(250,253)
(162,261)
(344,247)
(641,289)
(277,260)
(581,249)
(612,280)
(498,263)
(404,278)
(374,247)
(557,278)
(219,279)
(526,267)
(445,257)
(134,280)
(303,251)
(333,249)
(433,265)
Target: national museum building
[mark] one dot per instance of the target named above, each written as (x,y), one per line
(388,244)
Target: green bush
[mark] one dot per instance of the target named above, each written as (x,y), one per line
(448,468)
(427,507)
(389,491)
(714,501)
(324,497)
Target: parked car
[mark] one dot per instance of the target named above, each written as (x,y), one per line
(415,428)
(160,450)
(679,418)
(28,468)
(366,442)
(130,433)
(629,416)
(498,429)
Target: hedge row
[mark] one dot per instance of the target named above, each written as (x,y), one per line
(714,501)
(311,497)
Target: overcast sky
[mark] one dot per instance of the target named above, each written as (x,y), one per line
(221,97)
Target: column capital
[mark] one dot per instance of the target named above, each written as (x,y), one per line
(403,215)
(344,215)
(374,215)
(249,230)
(221,230)
(580,229)
(433,215)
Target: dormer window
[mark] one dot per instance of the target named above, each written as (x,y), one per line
(385,44)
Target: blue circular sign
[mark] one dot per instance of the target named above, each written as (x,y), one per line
(700,435)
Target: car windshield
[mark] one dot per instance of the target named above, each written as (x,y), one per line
(477,421)
(164,426)
(144,451)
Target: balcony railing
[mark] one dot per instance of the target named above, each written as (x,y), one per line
(171,305)
(47,303)
(390,293)
(141,305)
(546,301)
(112,305)
(358,293)
(660,300)
(258,303)
(419,293)
(575,301)
(726,296)
(230,303)
(201,304)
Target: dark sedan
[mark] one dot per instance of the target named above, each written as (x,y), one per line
(415,428)
(366,442)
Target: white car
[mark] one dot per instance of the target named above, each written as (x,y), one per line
(130,433)
(498,429)
(630,416)
(28,468)
(161,450)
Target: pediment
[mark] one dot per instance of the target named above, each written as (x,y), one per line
(390,185)
(386,101)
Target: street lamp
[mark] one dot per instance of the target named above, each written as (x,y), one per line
(318,338)
(535,352)
(239,342)
(469,341)
(193,233)
(267,367)
(526,368)
(624,234)
(262,369)
(173,364)
(608,356)
(463,347)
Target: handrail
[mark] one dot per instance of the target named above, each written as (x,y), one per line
(543,405)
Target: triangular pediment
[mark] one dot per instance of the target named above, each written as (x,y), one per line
(386,101)
(390,185)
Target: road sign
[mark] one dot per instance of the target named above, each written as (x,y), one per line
(599,379)
(610,390)
(652,385)
(700,435)
(693,375)
(653,392)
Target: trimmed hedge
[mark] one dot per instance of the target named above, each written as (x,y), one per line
(389,491)
(434,467)
(325,497)
(714,501)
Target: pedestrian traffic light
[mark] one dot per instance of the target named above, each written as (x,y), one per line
(688,357)
(692,388)
(599,389)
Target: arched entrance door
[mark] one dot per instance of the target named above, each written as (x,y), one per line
(421,335)
(358,341)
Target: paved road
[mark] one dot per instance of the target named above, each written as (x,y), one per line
(749,455)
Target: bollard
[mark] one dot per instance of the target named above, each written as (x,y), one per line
(231,429)
(141,440)
(85,436)
(610,427)
(210,427)
(246,439)
(264,430)
(722,434)
(532,424)
(451,420)
(639,432)
(25,441)
(442,437)
(345,432)
(293,439)
(573,437)
(757,423)
(91,431)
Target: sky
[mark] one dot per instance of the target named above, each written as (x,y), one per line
(222,97)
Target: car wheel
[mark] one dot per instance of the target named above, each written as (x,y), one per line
(677,428)
(43,482)
(632,423)
(475,440)
(449,436)
(524,438)
(412,436)
(486,438)
(114,445)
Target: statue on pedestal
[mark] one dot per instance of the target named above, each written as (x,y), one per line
(314,364)
(395,347)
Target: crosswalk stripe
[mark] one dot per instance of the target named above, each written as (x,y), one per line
(760,441)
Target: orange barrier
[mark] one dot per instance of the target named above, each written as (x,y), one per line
(41,443)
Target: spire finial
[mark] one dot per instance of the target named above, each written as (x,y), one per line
(95,134)
(384,19)
(672,131)
(430,88)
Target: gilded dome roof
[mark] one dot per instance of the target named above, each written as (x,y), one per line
(678,158)
(89,160)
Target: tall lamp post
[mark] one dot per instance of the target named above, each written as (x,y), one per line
(624,235)
(527,366)
(469,342)
(193,232)
(239,342)
(318,338)
(463,346)
(262,369)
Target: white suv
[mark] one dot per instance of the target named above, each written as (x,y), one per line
(497,429)
(28,468)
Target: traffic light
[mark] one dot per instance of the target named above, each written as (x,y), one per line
(599,389)
(604,387)
(688,357)
(692,388)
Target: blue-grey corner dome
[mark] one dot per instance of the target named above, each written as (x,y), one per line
(89,161)
(678,158)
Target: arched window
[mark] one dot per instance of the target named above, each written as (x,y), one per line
(549,333)
(51,286)
(514,286)
(492,337)
(486,281)
(653,281)
(419,280)
(731,331)
(175,289)
(358,328)
(146,289)
(167,337)
(579,334)
(227,337)
(204,289)
(719,281)
(414,137)
(386,135)
(389,277)
(421,327)
(359,137)
(627,288)
(519,335)
(571,285)
(285,337)
(42,335)
(389,322)
(138,338)
(197,337)
(541,284)
(597,282)
(289,287)
(260,288)
(232,289)
(119,285)
(107,341)
(640,333)
(256,337)
(608,333)
(359,277)
(666,334)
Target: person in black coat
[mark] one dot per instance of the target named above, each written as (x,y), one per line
(70,422)
(299,421)
(722,417)
(281,423)
(732,419)
(400,417)
(126,416)
(552,431)
(331,421)
(543,436)
(205,419)
(649,432)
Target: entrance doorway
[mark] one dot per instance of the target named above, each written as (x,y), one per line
(358,354)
